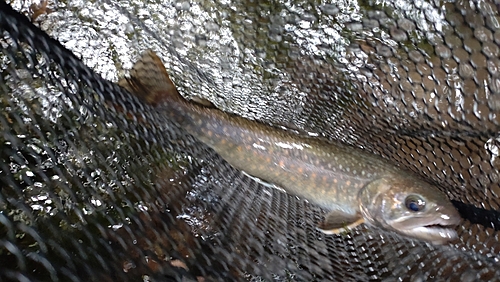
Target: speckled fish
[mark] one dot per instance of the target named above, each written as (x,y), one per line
(356,186)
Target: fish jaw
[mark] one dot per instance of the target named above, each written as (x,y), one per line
(383,203)
(438,230)
(437,235)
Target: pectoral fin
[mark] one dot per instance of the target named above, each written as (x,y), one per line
(337,222)
(203,102)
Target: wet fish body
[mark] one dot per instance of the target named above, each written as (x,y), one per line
(356,186)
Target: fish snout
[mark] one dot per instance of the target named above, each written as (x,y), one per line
(440,229)
(448,216)
(436,225)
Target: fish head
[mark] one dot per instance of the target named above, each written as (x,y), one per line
(411,207)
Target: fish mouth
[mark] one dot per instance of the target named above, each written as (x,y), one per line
(438,232)
(435,233)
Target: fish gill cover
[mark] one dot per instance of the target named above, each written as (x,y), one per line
(98,186)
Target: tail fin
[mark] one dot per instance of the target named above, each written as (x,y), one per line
(149,80)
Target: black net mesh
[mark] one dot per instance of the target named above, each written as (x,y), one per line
(96,186)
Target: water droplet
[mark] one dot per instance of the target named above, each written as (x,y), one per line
(182,6)
(329,9)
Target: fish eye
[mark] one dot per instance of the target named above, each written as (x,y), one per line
(414,203)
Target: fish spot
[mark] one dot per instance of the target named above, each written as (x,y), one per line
(335,180)
(258,146)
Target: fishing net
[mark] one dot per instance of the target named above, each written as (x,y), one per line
(97,186)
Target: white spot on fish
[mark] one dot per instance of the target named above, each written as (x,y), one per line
(289,145)
(257,146)
(444,216)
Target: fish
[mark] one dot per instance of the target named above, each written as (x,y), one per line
(354,186)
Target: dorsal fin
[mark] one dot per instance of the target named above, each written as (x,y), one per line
(149,80)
